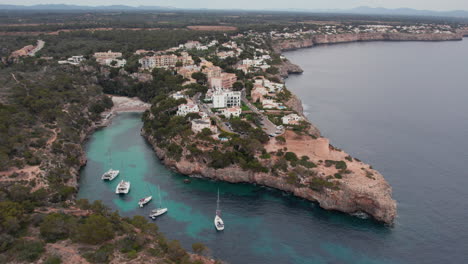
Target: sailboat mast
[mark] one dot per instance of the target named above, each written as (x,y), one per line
(159,193)
(217,203)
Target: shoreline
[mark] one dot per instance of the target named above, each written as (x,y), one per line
(283,45)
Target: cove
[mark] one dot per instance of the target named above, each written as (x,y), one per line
(262,225)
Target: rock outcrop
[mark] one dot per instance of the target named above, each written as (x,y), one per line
(286,68)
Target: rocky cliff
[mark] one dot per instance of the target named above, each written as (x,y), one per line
(361,190)
(284,45)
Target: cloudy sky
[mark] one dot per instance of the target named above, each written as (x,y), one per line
(440,5)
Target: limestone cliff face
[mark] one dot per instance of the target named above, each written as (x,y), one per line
(340,38)
(284,45)
(293,44)
(296,105)
(357,193)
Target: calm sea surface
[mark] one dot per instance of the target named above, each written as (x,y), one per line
(401,106)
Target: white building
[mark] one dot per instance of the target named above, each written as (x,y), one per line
(292,119)
(223,99)
(192,45)
(270,104)
(232,112)
(177,95)
(271,86)
(199,124)
(73,60)
(187,108)
(110,59)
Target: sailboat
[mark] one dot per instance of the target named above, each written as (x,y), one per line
(219,224)
(160,210)
(145,200)
(110,174)
(123,187)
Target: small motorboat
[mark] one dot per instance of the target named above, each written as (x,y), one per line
(157,212)
(142,202)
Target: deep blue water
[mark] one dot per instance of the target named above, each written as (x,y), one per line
(399,106)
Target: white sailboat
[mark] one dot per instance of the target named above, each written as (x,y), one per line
(110,174)
(219,224)
(142,202)
(159,210)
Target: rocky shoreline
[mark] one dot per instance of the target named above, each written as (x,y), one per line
(285,45)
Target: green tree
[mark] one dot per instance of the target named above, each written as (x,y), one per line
(95,230)
(57,226)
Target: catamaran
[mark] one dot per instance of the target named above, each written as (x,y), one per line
(123,187)
(145,200)
(160,210)
(219,224)
(110,174)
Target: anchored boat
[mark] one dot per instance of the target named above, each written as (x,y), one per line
(159,210)
(110,174)
(142,202)
(123,187)
(218,221)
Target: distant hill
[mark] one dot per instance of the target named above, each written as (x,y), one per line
(362,10)
(65,7)
(365,10)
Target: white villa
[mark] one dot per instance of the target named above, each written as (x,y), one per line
(187,108)
(270,104)
(292,119)
(271,86)
(177,95)
(232,112)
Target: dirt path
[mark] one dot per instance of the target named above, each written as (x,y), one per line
(67,251)
(39,46)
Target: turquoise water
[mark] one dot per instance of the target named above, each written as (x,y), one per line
(262,225)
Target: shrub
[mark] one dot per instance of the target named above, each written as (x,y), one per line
(56,226)
(318,184)
(292,178)
(198,248)
(102,255)
(340,165)
(28,250)
(95,230)
(53,260)
(291,156)
(338,176)
(175,251)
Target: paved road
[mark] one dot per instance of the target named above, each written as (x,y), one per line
(203,107)
(267,126)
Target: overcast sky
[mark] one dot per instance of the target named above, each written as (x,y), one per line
(440,5)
